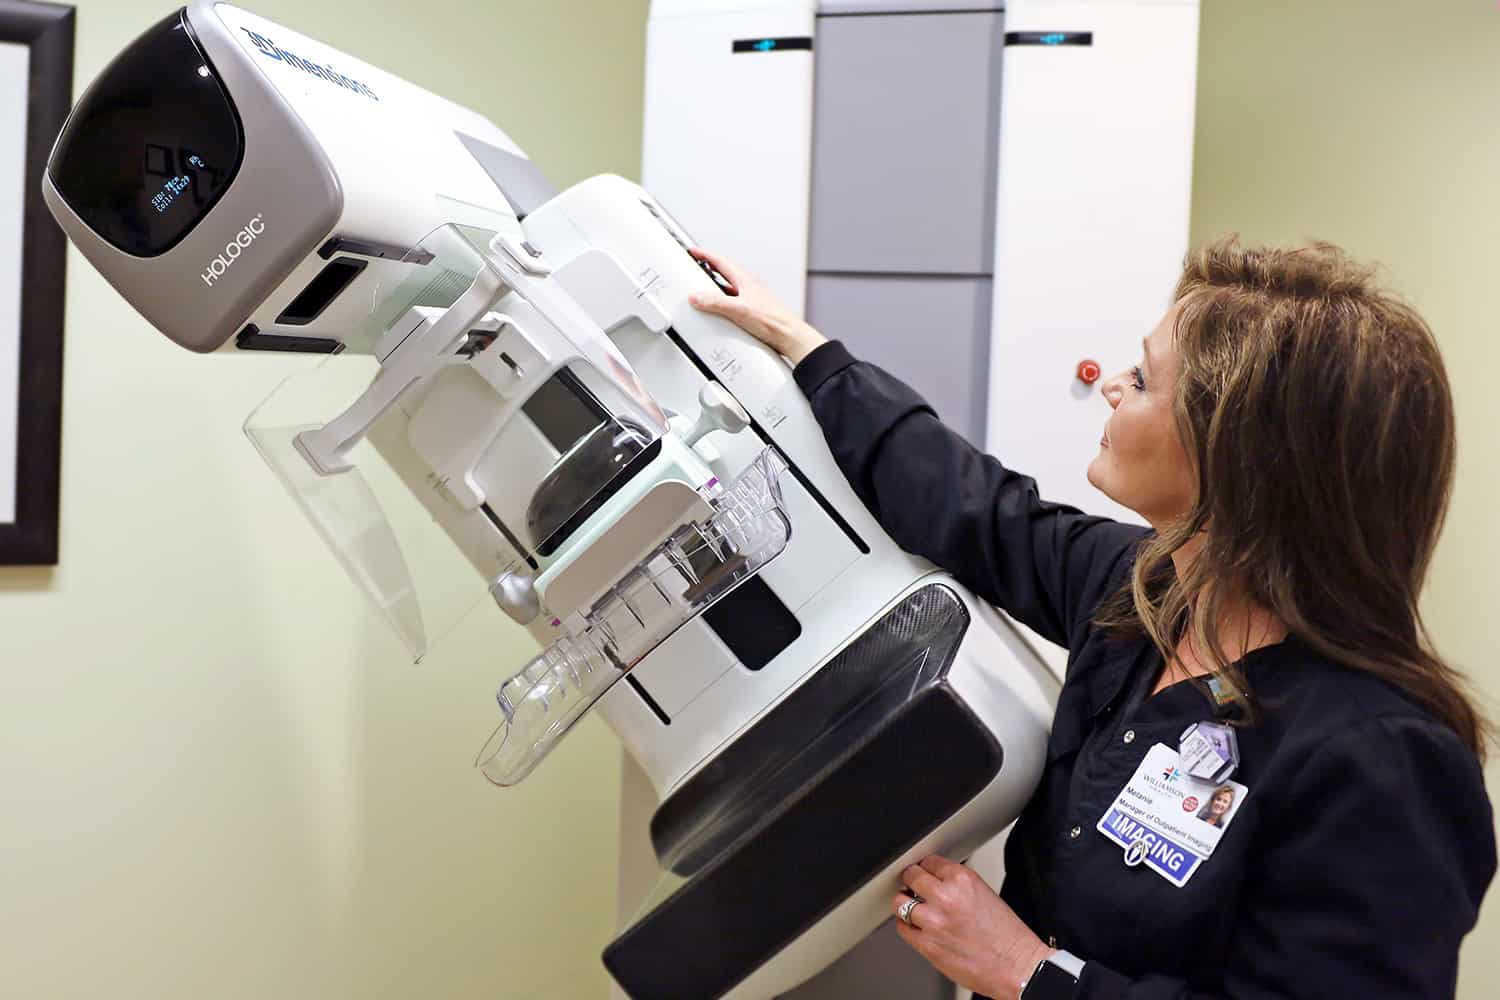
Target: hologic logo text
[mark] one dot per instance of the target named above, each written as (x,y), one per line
(232,250)
(269,49)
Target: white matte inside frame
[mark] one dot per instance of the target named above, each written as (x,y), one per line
(15,63)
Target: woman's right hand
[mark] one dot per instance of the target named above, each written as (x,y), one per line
(756,311)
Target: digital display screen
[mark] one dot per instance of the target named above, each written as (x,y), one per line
(162,200)
(1051,39)
(762,45)
(152,144)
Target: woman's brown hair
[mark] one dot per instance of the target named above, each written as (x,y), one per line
(1316,412)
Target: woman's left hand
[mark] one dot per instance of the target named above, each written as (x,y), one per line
(966,931)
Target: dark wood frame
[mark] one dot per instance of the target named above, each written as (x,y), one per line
(31,540)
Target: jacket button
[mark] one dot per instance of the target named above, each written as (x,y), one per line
(1130,736)
(1075,833)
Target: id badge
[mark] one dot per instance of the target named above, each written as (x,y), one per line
(1168,820)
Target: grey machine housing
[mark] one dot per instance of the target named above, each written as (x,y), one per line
(235,180)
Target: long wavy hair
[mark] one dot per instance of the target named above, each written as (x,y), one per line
(1316,412)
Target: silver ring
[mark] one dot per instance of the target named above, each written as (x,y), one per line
(904,912)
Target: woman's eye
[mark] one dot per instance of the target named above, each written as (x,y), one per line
(1137,378)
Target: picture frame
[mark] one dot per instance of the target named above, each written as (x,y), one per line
(36,49)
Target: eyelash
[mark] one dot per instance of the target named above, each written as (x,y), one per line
(1138,379)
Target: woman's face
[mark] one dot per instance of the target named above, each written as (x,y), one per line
(1141,462)
(1222,802)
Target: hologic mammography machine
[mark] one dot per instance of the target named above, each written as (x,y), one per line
(520,414)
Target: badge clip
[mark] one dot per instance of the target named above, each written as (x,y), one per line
(1209,751)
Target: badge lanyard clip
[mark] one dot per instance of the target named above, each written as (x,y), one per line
(1209,751)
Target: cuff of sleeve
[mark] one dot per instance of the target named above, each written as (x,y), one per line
(826,361)
(1098,982)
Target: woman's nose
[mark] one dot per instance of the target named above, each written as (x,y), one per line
(1113,389)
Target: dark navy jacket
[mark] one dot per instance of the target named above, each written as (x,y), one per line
(1358,858)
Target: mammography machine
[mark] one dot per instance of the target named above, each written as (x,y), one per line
(520,413)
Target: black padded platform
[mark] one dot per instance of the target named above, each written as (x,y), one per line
(861,762)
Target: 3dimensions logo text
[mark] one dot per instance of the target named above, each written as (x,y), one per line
(232,250)
(270,49)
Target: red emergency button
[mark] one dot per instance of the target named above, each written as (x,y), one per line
(1088,371)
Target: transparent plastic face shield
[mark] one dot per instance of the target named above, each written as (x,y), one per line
(482,444)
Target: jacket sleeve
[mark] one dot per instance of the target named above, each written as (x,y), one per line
(938,497)
(1390,851)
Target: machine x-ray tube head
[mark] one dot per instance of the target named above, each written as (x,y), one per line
(249,188)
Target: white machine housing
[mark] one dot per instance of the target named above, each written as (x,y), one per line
(772,725)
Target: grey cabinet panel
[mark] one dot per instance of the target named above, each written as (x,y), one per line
(906,119)
(826,7)
(931,332)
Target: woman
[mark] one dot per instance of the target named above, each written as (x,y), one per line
(1288,435)
(1217,808)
